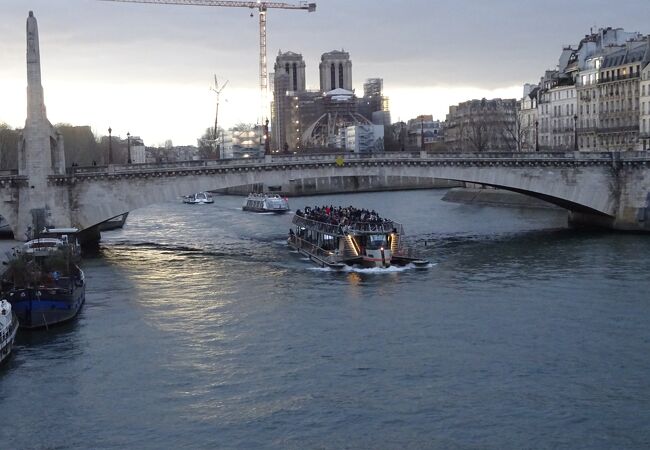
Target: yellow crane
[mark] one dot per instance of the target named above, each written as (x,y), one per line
(261,7)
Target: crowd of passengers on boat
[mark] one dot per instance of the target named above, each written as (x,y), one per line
(345,217)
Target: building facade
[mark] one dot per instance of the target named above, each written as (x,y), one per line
(306,119)
(422,132)
(644,100)
(619,99)
(595,99)
(528,119)
(335,71)
(289,81)
(138,155)
(293,66)
(364,138)
(563,118)
(483,125)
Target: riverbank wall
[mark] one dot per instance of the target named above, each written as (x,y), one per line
(340,185)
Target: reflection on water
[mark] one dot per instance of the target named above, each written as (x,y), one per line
(202,330)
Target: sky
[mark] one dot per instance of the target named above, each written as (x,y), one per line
(147,69)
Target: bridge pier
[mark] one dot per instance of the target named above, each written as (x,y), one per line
(586,220)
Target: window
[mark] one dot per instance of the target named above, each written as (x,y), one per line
(295,77)
(333,75)
(341,84)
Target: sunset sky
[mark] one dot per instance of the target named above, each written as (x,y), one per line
(147,69)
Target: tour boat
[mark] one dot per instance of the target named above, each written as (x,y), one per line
(8,327)
(340,237)
(200,198)
(43,283)
(266,203)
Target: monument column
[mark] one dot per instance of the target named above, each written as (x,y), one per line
(40,204)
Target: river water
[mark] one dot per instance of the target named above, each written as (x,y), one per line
(201,330)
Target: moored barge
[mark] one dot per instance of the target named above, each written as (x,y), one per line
(43,283)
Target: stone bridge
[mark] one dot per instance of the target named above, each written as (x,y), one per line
(603,189)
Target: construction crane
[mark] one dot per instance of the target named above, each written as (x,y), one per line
(261,7)
(215,134)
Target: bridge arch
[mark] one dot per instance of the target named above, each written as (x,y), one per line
(98,194)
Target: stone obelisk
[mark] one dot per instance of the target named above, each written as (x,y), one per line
(40,154)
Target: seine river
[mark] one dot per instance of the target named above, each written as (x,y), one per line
(201,330)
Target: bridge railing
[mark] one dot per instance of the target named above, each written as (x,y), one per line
(331,158)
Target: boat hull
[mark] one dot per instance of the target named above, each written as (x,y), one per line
(114,223)
(44,307)
(265,210)
(199,202)
(7,337)
(263,203)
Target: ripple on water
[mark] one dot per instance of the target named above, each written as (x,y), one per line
(206,332)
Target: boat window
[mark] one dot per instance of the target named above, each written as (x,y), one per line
(376,241)
(328,242)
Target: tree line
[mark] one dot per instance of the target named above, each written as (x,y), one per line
(82,147)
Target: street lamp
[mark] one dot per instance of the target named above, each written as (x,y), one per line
(575,132)
(536,135)
(110,145)
(267,141)
(128,145)
(422,133)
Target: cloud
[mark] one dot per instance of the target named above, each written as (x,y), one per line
(156,52)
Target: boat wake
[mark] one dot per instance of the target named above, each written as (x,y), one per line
(373,270)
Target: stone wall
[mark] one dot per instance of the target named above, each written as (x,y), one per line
(339,185)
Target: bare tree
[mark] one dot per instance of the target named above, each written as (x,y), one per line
(209,147)
(8,147)
(80,145)
(478,131)
(511,130)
